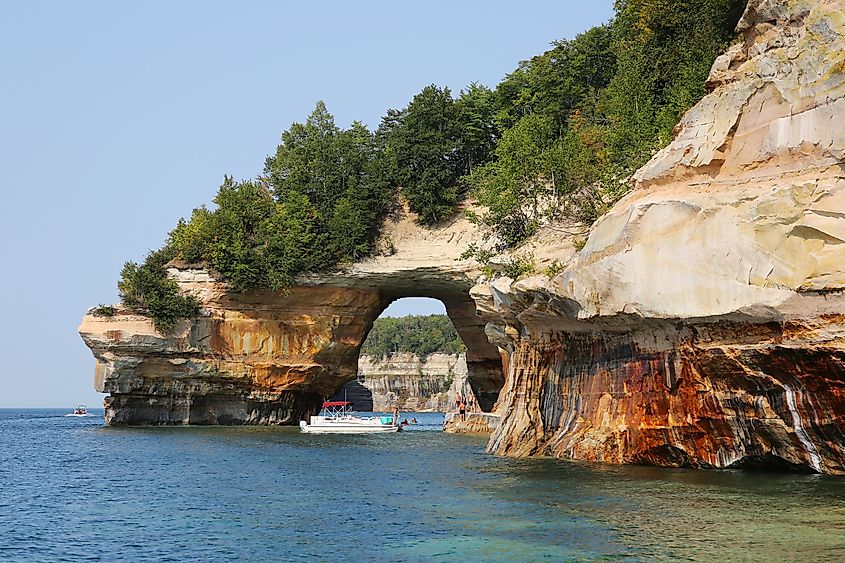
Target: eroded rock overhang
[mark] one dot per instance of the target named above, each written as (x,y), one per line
(702,323)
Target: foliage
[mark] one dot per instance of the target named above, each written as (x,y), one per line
(556,140)
(519,266)
(422,335)
(103,311)
(319,204)
(576,121)
(146,288)
(554,268)
(665,49)
(431,143)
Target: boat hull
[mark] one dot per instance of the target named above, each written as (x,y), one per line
(346,428)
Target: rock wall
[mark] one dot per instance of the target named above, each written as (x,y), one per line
(412,384)
(249,359)
(702,324)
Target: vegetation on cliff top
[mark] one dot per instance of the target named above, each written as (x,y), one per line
(556,140)
(422,335)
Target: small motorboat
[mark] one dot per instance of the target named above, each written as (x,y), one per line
(337,418)
(79,410)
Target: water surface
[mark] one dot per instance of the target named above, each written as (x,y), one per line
(71,489)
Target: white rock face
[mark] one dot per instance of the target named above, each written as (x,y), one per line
(744,212)
(702,323)
(412,384)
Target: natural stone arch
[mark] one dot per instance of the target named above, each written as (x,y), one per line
(266,357)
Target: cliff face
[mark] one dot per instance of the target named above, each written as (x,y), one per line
(703,324)
(413,384)
(270,358)
(251,358)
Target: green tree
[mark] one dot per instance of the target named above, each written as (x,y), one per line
(422,335)
(424,142)
(515,187)
(146,288)
(476,112)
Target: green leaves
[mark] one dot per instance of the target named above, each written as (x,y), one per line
(320,204)
(556,140)
(146,288)
(577,120)
(434,141)
(422,335)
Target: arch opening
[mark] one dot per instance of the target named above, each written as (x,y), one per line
(464,357)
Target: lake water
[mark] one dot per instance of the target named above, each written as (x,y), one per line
(71,489)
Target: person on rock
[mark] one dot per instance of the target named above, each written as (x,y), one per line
(462,410)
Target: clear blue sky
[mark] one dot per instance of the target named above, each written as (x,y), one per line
(117,118)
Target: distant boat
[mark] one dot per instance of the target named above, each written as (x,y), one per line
(80,410)
(337,418)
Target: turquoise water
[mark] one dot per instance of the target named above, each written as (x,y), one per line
(71,489)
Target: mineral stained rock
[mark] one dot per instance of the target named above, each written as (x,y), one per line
(703,324)
(271,358)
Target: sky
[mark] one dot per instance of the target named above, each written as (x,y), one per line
(118,118)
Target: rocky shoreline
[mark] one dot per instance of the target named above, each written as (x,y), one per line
(702,324)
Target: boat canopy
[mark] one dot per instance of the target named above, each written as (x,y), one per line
(328,404)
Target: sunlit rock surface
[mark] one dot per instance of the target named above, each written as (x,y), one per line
(702,324)
(472,423)
(271,358)
(413,384)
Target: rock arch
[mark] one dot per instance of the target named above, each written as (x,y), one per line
(269,358)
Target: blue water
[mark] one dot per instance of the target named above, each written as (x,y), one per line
(71,489)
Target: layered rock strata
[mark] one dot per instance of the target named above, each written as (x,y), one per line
(472,423)
(702,324)
(411,383)
(270,358)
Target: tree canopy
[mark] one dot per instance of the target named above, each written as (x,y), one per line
(556,140)
(422,335)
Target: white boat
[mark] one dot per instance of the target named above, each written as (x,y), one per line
(337,418)
(80,410)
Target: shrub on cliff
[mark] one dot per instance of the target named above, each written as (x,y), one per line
(145,288)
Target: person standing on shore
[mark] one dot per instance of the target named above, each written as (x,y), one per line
(462,409)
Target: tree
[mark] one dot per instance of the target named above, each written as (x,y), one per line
(476,119)
(424,141)
(515,187)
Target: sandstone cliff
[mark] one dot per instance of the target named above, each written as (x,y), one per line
(703,324)
(270,358)
(413,384)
